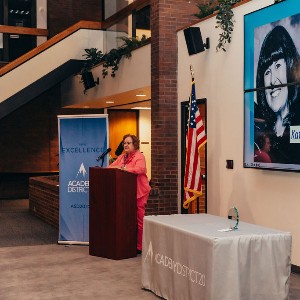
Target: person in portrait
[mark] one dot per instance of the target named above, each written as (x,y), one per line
(277,98)
(263,147)
(132,160)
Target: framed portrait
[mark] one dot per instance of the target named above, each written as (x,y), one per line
(272,87)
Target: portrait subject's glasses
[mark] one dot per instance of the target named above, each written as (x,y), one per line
(127,143)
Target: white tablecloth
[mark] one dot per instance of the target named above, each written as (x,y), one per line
(186,257)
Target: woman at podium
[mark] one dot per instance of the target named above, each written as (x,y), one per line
(132,160)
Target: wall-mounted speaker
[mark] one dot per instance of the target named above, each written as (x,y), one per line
(88,80)
(194,42)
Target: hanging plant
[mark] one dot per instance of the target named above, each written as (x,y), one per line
(224,19)
(111,60)
(92,58)
(225,22)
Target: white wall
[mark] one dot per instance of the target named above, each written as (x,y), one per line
(267,198)
(133,73)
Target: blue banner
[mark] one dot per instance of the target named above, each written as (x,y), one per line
(82,139)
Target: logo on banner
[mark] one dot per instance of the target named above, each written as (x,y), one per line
(81,171)
(79,185)
(175,266)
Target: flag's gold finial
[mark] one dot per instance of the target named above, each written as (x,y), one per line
(192,72)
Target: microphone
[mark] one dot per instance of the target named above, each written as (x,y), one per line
(119,149)
(103,154)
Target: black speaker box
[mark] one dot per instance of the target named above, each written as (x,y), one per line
(193,40)
(88,80)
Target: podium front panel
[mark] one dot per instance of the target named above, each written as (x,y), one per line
(113,213)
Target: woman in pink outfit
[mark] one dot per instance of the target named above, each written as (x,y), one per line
(134,161)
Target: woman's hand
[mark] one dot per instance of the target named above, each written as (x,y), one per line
(120,167)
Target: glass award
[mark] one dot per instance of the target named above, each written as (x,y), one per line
(233,217)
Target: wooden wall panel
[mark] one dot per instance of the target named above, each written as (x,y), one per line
(121,122)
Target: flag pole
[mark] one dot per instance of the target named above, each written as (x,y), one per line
(195,138)
(190,100)
(189,116)
(198,198)
(192,72)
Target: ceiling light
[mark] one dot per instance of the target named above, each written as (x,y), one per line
(109,102)
(140,107)
(141,94)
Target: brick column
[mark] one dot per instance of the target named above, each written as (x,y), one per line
(167,16)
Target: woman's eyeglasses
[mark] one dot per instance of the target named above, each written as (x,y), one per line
(127,143)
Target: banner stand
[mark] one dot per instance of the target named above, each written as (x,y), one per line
(73,243)
(82,139)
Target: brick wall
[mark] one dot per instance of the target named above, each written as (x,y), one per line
(29,143)
(29,136)
(44,199)
(167,16)
(65,13)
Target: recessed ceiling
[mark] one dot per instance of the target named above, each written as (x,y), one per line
(125,100)
(146,104)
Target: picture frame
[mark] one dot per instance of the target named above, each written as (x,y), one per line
(272,87)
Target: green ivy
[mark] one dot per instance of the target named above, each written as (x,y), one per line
(111,60)
(92,57)
(224,18)
(225,22)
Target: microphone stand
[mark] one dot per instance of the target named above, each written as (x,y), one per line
(102,161)
(102,156)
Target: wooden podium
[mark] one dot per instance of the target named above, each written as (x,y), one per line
(113,219)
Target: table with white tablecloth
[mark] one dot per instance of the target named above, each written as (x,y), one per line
(189,257)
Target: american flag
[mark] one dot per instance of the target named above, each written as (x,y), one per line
(195,139)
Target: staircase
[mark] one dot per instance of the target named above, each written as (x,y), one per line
(48,64)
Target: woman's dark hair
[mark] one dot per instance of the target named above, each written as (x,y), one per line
(276,45)
(135,140)
(261,141)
